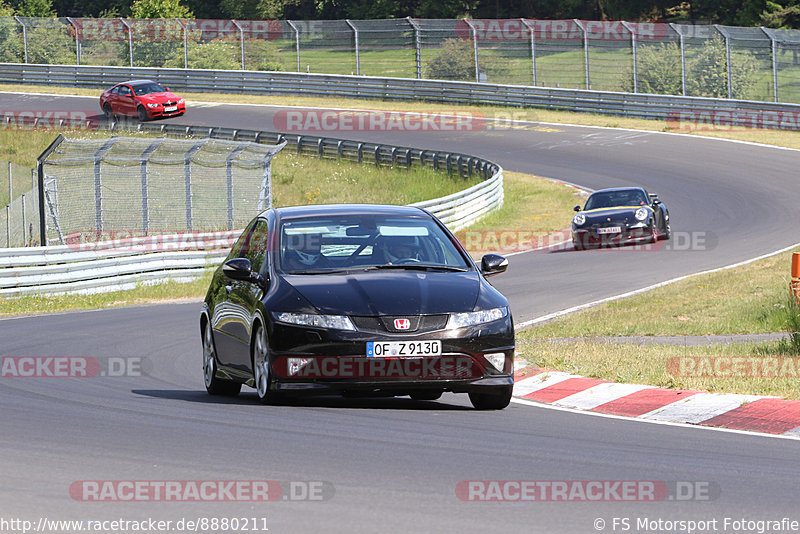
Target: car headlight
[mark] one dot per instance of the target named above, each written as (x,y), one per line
(460,320)
(579,219)
(153,105)
(642,214)
(334,322)
(180,101)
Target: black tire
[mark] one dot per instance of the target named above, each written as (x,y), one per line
(108,112)
(142,113)
(667,230)
(215,385)
(491,401)
(426,395)
(262,369)
(577,245)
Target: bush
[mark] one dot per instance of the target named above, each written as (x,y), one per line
(455,61)
(659,70)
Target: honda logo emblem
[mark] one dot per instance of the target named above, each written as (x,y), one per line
(402,324)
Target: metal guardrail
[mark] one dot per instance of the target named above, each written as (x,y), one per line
(711,111)
(122,264)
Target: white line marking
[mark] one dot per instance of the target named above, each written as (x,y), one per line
(540,381)
(600,394)
(699,407)
(535,404)
(635,292)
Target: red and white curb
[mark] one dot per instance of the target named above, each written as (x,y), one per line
(753,413)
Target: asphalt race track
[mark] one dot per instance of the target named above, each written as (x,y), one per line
(394,464)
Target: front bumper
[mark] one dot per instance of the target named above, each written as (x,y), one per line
(314,361)
(591,237)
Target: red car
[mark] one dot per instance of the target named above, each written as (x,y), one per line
(144,99)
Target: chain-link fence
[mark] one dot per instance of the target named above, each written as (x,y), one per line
(694,60)
(93,188)
(19,219)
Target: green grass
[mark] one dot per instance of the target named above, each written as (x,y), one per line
(143,294)
(660,365)
(747,300)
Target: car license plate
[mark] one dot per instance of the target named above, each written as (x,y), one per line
(171,108)
(609,230)
(384,349)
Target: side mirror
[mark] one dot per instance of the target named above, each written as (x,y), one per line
(576,208)
(492,264)
(656,202)
(241,269)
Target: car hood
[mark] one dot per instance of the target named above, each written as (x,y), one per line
(615,214)
(159,97)
(389,293)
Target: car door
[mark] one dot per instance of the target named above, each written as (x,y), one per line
(125,102)
(227,309)
(238,311)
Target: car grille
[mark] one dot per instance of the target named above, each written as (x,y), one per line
(385,323)
(169,104)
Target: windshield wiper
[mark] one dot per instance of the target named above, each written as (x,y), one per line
(420,267)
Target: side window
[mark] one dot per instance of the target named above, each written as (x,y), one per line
(236,249)
(256,247)
(125,90)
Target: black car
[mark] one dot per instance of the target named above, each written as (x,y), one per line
(618,216)
(356,300)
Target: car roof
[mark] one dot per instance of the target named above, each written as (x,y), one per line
(322,210)
(614,189)
(137,82)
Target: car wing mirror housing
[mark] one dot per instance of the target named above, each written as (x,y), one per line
(492,264)
(576,208)
(242,269)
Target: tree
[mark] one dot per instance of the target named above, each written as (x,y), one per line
(160,9)
(36,8)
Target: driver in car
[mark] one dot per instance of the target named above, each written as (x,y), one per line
(304,252)
(402,249)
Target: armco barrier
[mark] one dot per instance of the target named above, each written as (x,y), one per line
(122,264)
(749,113)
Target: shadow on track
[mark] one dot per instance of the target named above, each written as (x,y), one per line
(372,403)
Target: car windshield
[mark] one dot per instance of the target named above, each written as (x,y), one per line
(610,199)
(325,244)
(147,88)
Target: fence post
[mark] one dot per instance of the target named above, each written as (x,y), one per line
(241,39)
(24,221)
(144,159)
(727,38)
(355,35)
(8,226)
(130,39)
(774,46)
(296,41)
(683,56)
(475,48)
(98,185)
(533,48)
(585,52)
(40,186)
(417,47)
(24,36)
(10,186)
(633,51)
(229,182)
(77,39)
(187,178)
(185,44)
